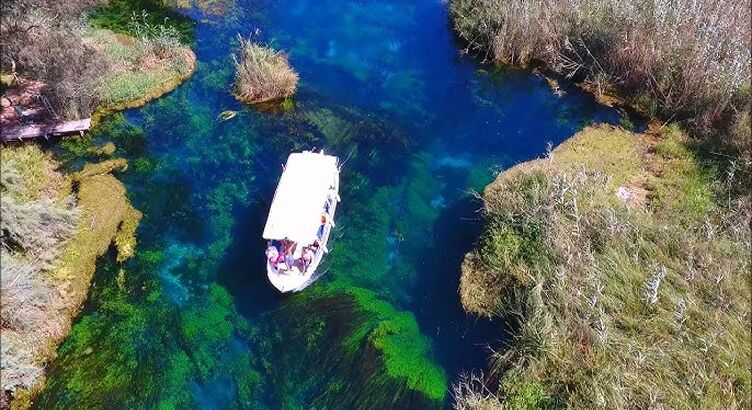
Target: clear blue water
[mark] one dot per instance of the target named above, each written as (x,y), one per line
(195,324)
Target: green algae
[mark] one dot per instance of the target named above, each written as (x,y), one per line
(134,321)
(369,231)
(332,127)
(405,351)
(383,223)
(362,340)
(105,150)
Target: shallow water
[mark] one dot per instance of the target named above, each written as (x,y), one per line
(191,320)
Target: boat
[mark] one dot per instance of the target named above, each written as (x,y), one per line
(301,219)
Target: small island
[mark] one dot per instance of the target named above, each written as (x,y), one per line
(262,74)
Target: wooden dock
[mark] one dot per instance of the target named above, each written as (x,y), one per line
(33,131)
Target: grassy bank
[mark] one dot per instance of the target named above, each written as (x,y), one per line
(143,69)
(623,263)
(686,62)
(55,226)
(95,56)
(623,258)
(147,49)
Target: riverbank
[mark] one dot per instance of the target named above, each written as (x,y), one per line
(623,257)
(44,289)
(40,300)
(623,263)
(141,73)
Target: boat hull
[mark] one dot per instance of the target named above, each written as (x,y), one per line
(295,281)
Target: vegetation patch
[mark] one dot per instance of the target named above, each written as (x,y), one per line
(90,58)
(51,237)
(669,60)
(134,317)
(144,67)
(118,16)
(616,302)
(359,339)
(262,74)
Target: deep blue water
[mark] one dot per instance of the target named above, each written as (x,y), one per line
(383,82)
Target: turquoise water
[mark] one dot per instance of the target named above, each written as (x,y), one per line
(191,321)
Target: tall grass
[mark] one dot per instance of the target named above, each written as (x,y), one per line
(142,65)
(616,305)
(682,58)
(38,220)
(117,15)
(262,74)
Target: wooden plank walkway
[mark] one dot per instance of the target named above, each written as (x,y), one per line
(33,131)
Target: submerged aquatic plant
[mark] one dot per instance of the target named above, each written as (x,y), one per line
(133,319)
(362,341)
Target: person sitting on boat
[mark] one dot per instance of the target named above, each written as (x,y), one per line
(272,253)
(289,252)
(325,218)
(307,257)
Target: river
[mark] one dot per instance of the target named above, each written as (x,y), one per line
(191,320)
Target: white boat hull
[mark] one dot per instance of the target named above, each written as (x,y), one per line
(292,280)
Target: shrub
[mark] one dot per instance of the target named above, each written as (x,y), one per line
(470,393)
(262,74)
(33,223)
(38,228)
(43,40)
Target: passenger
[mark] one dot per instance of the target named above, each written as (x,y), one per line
(289,259)
(307,258)
(272,253)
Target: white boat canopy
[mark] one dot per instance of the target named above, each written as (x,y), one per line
(303,188)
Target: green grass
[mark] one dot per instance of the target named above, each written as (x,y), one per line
(129,86)
(117,16)
(28,172)
(637,304)
(684,189)
(142,68)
